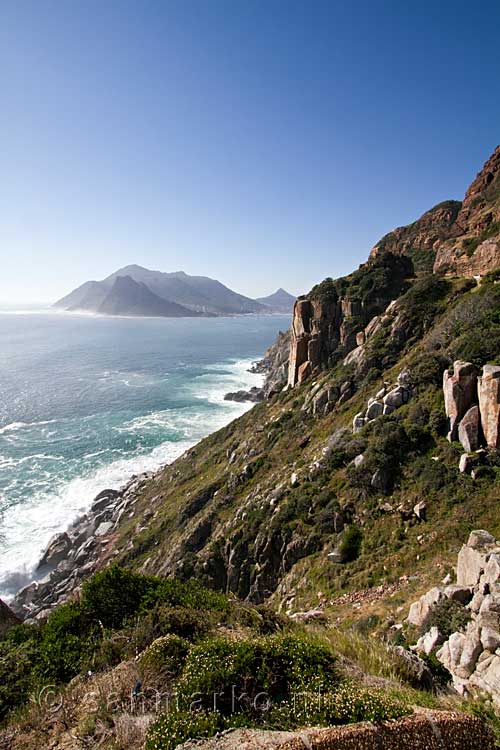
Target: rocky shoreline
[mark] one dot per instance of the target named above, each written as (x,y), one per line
(87,544)
(75,554)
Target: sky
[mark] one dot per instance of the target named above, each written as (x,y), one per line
(265,143)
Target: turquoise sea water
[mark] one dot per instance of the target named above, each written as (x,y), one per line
(86,402)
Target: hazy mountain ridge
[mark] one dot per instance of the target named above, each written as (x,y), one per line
(280,301)
(187,295)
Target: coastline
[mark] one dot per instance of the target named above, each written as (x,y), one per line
(85,545)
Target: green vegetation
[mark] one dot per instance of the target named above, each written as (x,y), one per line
(278,681)
(448,617)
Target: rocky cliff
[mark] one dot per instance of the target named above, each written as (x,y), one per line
(330,322)
(460,238)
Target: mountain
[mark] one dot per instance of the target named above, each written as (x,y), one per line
(127,297)
(198,294)
(455,237)
(368,474)
(88,296)
(281,301)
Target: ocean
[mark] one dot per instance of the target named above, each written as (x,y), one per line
(86,402)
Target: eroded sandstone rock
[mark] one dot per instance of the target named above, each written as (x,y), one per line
(489,404)
(460,393)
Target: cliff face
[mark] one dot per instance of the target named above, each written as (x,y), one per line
(453,237)
(425,234)
(475,247)
(331,321)
(315,335)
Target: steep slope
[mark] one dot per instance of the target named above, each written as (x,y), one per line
(127,297)
(313,490)
(453,237)
(89,296)
(281,301)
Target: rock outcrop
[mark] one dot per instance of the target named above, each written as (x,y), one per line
(472,406)
(472,654)
(453,237)
(425,730)
(77,553)
(338,316)
(7,618)
(386,401)
(460,393)
(425,234)
(316,333)
(489,404)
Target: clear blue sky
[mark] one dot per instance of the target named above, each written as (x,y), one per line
(262,142)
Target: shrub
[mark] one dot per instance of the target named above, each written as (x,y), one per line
(272,666)
(190,595)
(67,638)
(19,652)
(189,623)
(351,543)
(348,704)
(166,655)
(448,616)
(114,594)
(175,727)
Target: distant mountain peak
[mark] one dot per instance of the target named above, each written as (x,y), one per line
(280,301)
(199,295)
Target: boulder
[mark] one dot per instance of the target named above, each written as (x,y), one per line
(104,528)
(374,410)
(460,594)
(487,677)
(470,566)
(490,639)
(382,481)
(420,510)
(7,618)
(358,422)
(489,404)
(429,641)
(420,610)
(460,393)
(311,614)
(491,573)
(471,648)
(418,671)
(480,539)
(489,612)
(469,429)
(57,549)
(397,397)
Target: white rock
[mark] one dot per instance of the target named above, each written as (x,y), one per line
(470,566)
(490,639)
(428,642)
(420,610)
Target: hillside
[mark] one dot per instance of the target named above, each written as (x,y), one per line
(301,536)
(189,295)
(127,297)
(455,237)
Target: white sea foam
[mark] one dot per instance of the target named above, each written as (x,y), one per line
(16,426)
(27,530)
